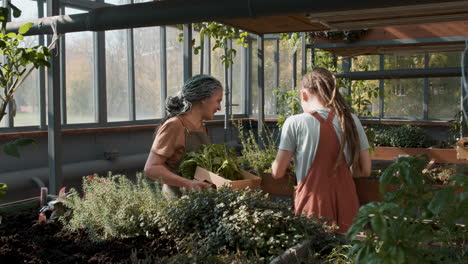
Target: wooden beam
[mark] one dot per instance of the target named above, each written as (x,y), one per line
(379,22)
(399,11)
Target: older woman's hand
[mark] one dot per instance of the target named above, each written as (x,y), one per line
(196,185)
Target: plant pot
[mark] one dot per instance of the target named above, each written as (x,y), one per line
(368,190)
(283,186)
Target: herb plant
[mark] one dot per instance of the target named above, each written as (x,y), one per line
(256,157)
(416,223)
(214,158)
(209,226)
(115,207)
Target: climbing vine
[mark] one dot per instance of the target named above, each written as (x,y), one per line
(221,34)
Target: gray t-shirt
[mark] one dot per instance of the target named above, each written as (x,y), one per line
(301,135)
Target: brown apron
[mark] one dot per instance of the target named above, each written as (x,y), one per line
(193,142)
(325,191)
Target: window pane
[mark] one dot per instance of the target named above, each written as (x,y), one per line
(444,98)
(360,91)
(147,72)
(120,2)
(117,75)
(217,70)
(175,75)
(196,57)
(285,64)
(237,80)
(269,71)
(254,78)
(365,63)
(404,61)
(27,95)
(444,59)
(299,61)
(79,66)
(403,98)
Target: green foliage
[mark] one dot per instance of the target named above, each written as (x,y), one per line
(214,158)
(13,68)
(289,104)
(221,34)
(215,222)
(416,223)
(12,148)
(209,226)
(256,157)
(3,188)
(115,207)
(406,136)
(345,35)
(457,128)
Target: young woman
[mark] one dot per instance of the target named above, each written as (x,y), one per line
(329,147)
(183,131)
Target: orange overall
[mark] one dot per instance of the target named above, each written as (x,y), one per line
(325,191)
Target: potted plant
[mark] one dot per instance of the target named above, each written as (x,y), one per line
(416,222)
(258,158)
(214,164)
(391,142)
(437,175)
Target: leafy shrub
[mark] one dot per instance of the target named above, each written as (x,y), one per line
(214,158)
(115,207)
(289,103)
(414,220)
(402,136)
(213,222)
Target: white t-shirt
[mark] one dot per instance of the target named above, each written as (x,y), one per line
(301,135)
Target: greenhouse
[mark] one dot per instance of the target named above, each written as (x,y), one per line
(211,131)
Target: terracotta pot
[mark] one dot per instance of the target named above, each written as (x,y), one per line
(284,186)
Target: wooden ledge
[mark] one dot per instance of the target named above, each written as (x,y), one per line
(402,122)
(97,130)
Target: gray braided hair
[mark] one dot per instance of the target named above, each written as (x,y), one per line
(195,89)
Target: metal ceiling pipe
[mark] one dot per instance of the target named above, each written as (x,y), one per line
(170,12)
(22,183)
(402,74)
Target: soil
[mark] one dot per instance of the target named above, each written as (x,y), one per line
(24,240)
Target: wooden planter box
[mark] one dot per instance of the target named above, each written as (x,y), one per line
(249,180)
(368,189)
(440,155)
(283,186)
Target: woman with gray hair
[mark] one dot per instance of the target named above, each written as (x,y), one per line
(183,131)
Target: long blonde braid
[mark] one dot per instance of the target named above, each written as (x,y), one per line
(322,83)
